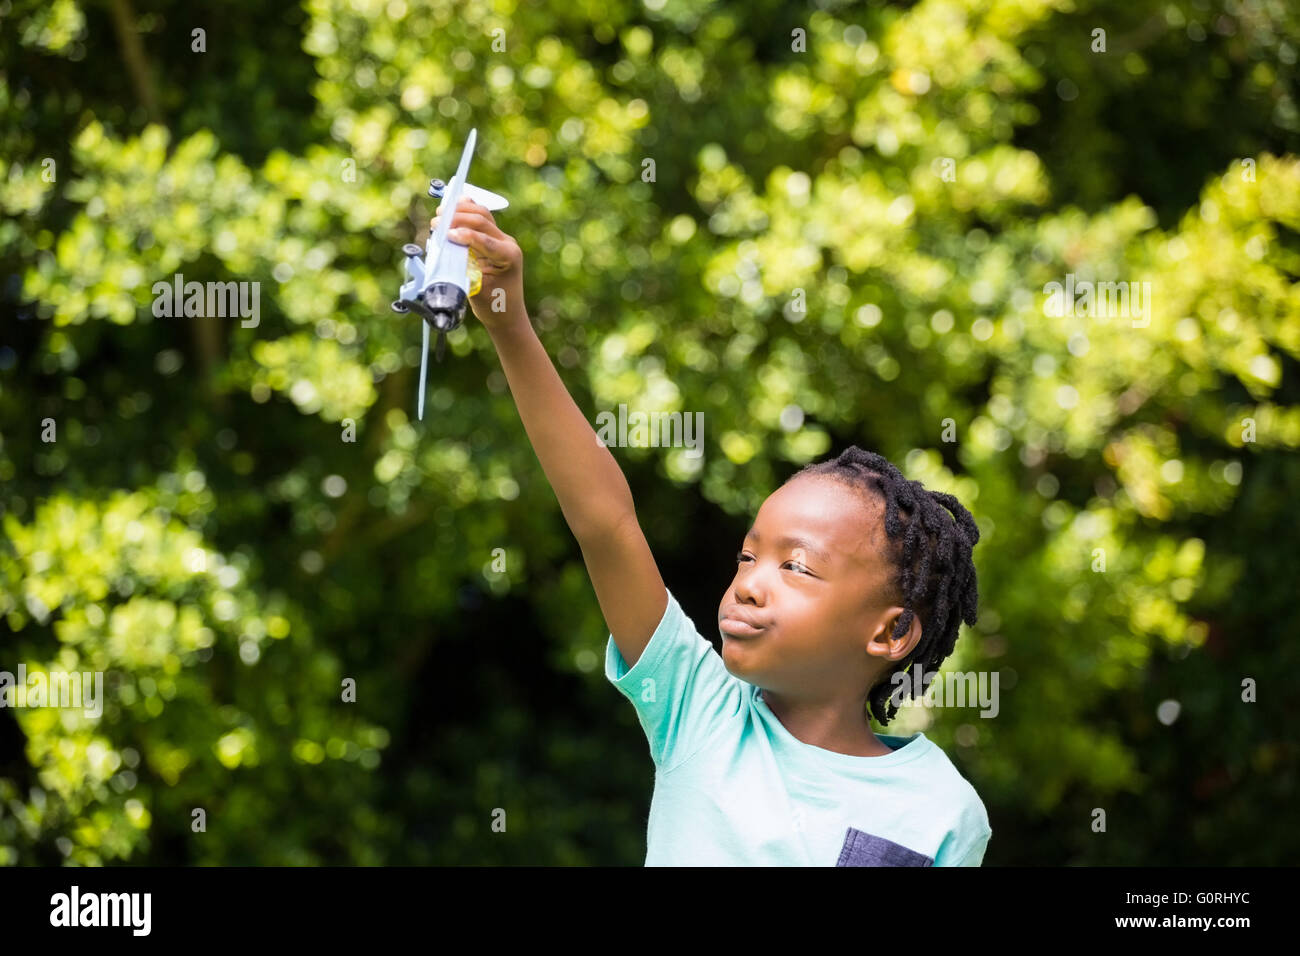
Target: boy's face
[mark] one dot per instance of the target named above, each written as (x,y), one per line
(811,578)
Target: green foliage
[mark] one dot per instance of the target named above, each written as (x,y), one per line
(849,244)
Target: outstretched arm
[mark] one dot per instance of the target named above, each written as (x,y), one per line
(593,493)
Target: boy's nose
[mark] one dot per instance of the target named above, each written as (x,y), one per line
(747,592)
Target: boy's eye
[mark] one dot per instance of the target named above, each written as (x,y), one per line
(802,569)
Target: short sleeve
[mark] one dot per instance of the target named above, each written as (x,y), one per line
(681,690)
(972,855)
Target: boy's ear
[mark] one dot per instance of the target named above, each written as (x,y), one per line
(884,645)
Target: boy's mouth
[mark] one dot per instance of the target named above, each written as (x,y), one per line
(738,622)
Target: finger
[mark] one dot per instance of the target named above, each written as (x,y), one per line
(471,219)
(477,222)
(492,253)
(483,220)
(466,203)
(479,213)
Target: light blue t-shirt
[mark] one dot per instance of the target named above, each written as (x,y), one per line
(733,787)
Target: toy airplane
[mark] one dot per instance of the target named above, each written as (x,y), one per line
(439,286)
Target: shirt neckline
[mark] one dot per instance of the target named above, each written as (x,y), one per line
(904,748)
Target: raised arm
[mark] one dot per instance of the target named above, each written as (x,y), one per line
(593,493)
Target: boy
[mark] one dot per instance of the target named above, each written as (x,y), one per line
(850,574)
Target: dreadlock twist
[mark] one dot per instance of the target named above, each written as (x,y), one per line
(931,553)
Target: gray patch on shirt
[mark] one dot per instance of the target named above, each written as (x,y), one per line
(865,849)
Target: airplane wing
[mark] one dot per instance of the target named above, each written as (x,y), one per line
(489,200)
